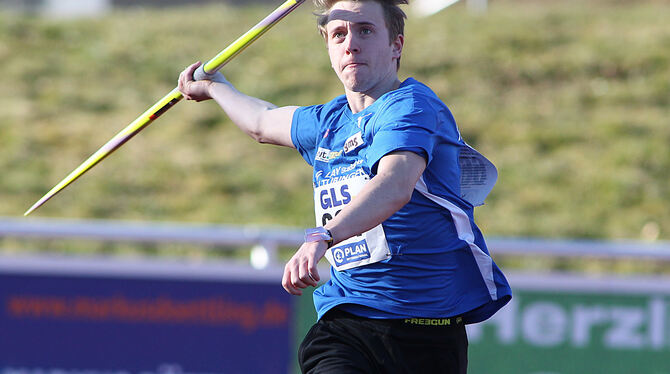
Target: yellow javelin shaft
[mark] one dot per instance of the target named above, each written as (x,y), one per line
(169,100)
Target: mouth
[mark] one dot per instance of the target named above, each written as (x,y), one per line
(353,65)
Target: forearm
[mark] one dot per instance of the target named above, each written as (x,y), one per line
(261,120)
(379,199)
(245,111)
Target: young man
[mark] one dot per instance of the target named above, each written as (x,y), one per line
(409,265)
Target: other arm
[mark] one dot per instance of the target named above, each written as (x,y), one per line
(382,196)
(262,121)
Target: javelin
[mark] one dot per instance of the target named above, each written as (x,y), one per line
(169,100)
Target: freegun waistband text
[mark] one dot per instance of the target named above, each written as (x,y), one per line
(434,321)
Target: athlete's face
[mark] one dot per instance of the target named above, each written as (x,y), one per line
(359,47)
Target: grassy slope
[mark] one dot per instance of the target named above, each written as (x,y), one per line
(569,100)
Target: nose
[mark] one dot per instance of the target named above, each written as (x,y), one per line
(351,44)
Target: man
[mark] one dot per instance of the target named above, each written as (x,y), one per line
(409,265)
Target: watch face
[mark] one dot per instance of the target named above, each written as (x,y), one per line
(316,234)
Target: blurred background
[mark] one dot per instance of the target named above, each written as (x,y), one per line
(167,256)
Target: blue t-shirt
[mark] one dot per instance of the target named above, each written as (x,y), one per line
(439,264)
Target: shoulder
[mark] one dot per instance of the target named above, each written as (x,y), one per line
(320,115)
(412,96)
(415,104)
(413,90)
(335,105)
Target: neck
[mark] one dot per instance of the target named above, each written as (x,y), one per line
(361,100)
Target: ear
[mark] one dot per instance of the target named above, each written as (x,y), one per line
(398,44)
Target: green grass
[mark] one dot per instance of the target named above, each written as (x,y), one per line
(569,99)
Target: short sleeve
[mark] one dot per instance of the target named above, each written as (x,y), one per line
(409,124)
(304,131)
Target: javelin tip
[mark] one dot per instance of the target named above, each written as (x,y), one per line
(38,204)
(32,208)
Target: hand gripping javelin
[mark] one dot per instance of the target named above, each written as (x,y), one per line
(167,102)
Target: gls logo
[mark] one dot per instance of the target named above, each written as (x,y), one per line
(332,198)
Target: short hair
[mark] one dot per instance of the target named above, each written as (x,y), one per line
(393,15)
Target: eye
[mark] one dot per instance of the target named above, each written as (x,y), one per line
(366,31)
(338,35)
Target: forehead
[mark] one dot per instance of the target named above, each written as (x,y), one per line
(359,12)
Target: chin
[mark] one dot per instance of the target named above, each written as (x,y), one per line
(357,85)
(354,82)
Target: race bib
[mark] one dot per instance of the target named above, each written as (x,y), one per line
(367,248)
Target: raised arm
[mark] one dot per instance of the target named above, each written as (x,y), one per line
(382,196)
(263,121)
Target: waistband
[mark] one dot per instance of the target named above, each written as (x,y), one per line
(433,321)
(408,322)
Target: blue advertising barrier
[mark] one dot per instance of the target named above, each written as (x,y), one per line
(71,316)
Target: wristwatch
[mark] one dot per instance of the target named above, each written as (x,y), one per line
(317,234)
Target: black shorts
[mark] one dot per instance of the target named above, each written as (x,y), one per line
(344,343)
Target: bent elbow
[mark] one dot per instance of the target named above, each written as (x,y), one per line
(260,131)
(400,199)
(262,138)
(406,197)
(257,135)
(256,130)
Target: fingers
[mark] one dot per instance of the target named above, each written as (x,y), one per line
(301,271)
(187,74)
(288,285)
(296,278)
(192,68)
(313,270)
(185,78)
(305,274)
